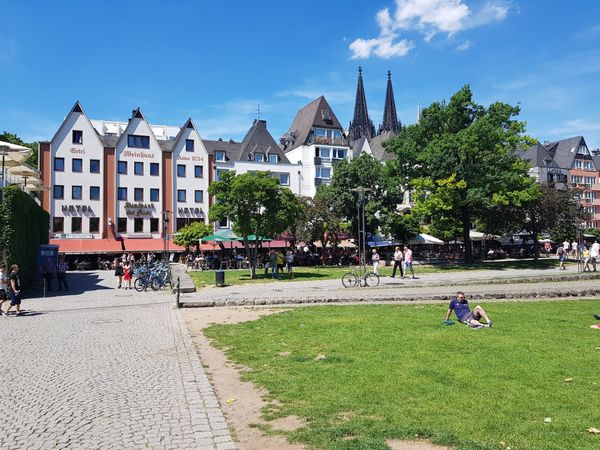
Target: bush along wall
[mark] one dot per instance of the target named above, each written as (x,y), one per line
(24,226)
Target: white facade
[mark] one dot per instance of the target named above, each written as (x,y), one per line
(138,155)
(77,178)
(190,176)
(289,175)
(316,163)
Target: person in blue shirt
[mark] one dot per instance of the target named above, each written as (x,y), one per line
(460,306)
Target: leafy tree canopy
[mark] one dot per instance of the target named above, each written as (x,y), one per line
(190,234)
(460,159)
(256,204)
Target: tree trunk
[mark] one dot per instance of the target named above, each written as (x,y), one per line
(536,247)
(466,222)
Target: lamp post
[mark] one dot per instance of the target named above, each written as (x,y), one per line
(165,219)
(362,238)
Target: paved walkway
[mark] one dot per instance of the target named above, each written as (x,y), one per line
(509,283)
(104,368)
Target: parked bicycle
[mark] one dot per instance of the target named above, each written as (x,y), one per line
(360,277)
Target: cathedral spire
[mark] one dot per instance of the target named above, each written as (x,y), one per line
(361,125)
(390,117)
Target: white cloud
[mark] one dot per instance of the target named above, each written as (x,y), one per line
(575,127)
(464,46)
(428,17)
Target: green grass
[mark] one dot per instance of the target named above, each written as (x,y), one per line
(395,372)
(234,277)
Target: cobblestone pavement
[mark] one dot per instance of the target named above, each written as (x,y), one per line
(480,284)
(104,368)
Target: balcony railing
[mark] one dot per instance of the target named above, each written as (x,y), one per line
(328,141)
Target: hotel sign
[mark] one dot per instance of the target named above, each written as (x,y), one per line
(190,211)
(139,209)
(77,209)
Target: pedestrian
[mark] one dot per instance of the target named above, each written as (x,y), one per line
(574,247)
(586,260)
(566,246)
(561,252)
(14,290)
(3,288)
(408,262)
(61,274)
(594,253)
(289,263)
(280,262)
(398,258)
(375,261)
(119,272)
(273,262)
(127,274)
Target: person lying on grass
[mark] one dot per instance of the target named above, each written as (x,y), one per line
(460,306)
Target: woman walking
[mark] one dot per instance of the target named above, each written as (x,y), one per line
(14,290)
(375,260)
(127,275)
(119,272)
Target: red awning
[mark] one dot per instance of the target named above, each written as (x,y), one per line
(87,246)
(149,245)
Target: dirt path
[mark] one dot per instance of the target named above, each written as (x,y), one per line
(242,401)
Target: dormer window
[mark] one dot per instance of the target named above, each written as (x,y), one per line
(583,150)
(219,156)
(273,158)
(259,157)
(77,137)
(325,115)
(136,141)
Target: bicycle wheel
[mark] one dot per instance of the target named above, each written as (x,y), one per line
(371,279)
(155,283)
(139,284)
(349,280)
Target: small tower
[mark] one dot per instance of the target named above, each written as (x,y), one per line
(390,117)
(361,125)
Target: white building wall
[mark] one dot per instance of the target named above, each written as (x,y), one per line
(153,154)
(199,157)
(62,146)
(294,172)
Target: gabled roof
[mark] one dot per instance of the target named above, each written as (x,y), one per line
(232,149)
(310,116)
(538,155)
(137,114)
(168,146)
(258,139)
(376,143)
(565,150)
(77,108)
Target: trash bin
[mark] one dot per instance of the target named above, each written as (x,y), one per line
(220,278)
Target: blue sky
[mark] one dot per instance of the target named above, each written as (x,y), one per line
(216,61)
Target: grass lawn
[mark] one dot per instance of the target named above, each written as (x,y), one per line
(233,277)
(395,372)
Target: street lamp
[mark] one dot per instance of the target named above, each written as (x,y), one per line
(165,219)
(362,238)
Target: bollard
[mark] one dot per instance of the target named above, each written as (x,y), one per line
(177,302)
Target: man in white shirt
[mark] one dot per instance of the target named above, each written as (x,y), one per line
(398,256)
(574,248)
(566,246)
(594,252)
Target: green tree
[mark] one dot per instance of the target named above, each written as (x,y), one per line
(256,204)
(320,222)
(470,150)
(190,234)
(14,139)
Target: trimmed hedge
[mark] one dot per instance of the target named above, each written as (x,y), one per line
(24,226)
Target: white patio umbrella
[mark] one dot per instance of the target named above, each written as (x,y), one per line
(426,239)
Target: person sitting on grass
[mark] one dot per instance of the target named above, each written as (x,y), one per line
(460,306)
